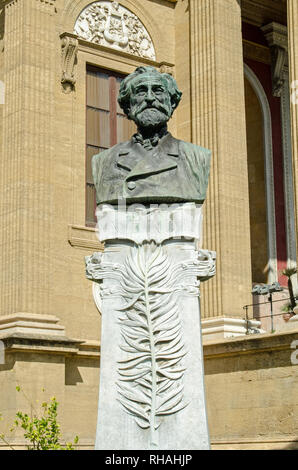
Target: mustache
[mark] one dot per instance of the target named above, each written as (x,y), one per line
(155,105)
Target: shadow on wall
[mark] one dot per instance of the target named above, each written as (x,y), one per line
(8,364)
(74,367)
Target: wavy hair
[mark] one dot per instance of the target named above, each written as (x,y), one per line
(168,80)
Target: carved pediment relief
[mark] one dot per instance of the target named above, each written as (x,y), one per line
(112,25)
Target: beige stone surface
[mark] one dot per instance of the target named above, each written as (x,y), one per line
(45,367)
(30,324)
(43,240)
(2,84)
(43,171)
(293,63)
(182,68)
(218,123)
(27,210)
(251,388)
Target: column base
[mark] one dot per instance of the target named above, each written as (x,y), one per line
(225,327)
(292,324)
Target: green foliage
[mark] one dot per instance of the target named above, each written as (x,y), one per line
(287,308)
(42,433)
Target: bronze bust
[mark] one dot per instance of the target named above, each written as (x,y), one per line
(153,167)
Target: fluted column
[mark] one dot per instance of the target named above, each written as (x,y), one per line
(218,123)
(293,66)
(27,151)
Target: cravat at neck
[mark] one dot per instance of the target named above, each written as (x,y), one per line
(150,142)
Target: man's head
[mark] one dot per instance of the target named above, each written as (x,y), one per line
(149,97)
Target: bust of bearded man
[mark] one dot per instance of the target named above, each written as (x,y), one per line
(153,166)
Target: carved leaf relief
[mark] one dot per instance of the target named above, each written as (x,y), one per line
(151,375)
(112,25)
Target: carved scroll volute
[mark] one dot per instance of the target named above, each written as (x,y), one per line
(276,35)
(206,264)
(279,56)
(69,46)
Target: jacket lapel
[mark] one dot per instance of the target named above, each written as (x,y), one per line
(127,156)
(140,162)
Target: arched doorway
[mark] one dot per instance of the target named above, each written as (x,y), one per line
(261,181)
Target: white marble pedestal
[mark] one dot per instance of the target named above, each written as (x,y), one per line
(152,376)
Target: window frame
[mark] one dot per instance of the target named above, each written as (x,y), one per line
(113,113)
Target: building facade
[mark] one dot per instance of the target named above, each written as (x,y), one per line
(61,64)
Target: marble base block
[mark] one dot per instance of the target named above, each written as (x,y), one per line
(152,376)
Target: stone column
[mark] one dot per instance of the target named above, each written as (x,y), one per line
(293,63)
(26,191)
(218,123)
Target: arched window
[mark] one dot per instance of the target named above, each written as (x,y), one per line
(106,124)
(261,181)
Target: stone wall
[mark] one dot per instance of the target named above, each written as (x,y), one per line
(251,388)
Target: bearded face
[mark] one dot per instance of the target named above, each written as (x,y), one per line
(151,117)
(150,102)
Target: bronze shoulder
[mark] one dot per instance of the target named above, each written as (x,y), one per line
(188,146)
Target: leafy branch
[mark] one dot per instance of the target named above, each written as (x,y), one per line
(43,433)
(151,383)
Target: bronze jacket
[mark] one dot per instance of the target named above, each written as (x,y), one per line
(173,171)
